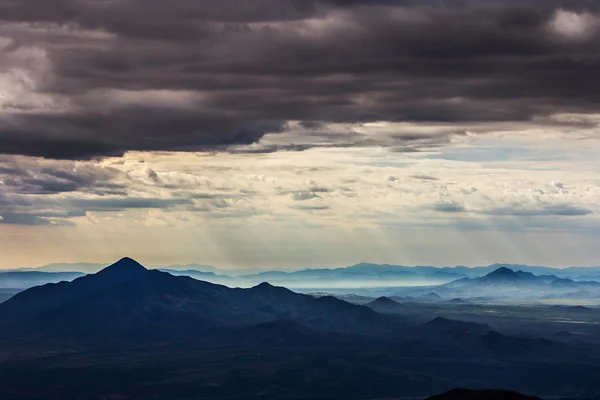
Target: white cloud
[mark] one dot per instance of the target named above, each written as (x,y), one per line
(574,25)
(91,217)
(577,119)
(23,70)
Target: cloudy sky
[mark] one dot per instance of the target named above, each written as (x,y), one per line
(300,133)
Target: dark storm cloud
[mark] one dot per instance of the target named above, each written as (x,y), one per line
(202,74)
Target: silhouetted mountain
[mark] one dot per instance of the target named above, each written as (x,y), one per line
(580,309)
(364,274)
(385,305)
(573,310)
(466,394)
(457,300)
(503,274)
(126,268)
(431,296)
(507,283)
(127,301)
(395,275)
(367,272)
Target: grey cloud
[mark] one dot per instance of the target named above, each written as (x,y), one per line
(119,204)
(303,196)
(319,189)
(27,177)
(555,210)
(312,208)
(48,192)
(425,177)
(449,208)
(199,74)
(563,210)
(44,210)
(313,125)
(31,220)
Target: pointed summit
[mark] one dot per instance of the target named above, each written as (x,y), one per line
(385,301)
(384,298)
(502,271)
(267,288)
(385,305)
(124,268)
(264,286)
(507,274)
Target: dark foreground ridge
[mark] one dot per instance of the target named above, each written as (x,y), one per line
(466,394)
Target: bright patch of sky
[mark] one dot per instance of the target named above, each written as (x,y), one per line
(505,199)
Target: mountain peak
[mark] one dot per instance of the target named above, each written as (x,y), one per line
(385,300)
(267,288)
(264,286)
(431,296)
(502,271)
(385,305)
(124,267)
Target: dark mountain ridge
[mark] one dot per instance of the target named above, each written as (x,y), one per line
(366,274)
(507,283)
(127,301)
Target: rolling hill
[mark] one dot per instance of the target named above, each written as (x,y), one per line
(385,305)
